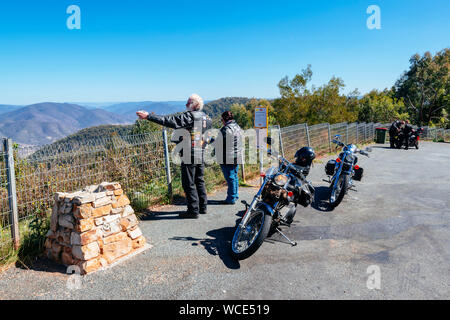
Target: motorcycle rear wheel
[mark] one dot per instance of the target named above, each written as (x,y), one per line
(249,237)
(341,190)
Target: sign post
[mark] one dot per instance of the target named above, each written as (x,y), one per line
(261,125)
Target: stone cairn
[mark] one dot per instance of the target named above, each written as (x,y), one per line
(93,228)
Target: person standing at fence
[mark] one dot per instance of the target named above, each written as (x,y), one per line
(229,154)
(196,123)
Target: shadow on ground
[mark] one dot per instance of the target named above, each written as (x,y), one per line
(382,147)
(218,243)
(43,265)
(162,215)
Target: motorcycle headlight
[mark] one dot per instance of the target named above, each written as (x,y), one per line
(280,179)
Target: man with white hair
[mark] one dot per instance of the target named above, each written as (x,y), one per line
(196,122)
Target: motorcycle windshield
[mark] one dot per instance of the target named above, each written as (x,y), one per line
(351,148)
(271,171)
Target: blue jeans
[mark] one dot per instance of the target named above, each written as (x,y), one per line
(230,172)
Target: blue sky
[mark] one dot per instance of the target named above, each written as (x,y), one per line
(165,50)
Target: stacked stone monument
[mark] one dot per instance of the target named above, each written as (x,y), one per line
(93,228)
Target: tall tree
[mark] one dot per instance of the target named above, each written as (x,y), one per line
(381,106)
(425,87)
(300,103)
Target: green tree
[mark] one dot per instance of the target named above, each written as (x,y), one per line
(300,103)
(381,106)
(144,126)
(327,104)
(425,87)
(242,116)
(291,107)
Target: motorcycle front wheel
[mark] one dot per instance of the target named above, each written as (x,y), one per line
(249,237)
(338,193)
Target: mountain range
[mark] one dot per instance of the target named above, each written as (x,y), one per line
(47,122)
(44,123)
(4,108)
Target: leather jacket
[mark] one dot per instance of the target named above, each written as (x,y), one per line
(395,127)
(407,129)
(229,144)
(196,124)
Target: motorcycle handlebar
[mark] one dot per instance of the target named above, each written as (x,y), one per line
(339,143)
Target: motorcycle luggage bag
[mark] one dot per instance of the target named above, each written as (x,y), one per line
(329,167)
(358,174)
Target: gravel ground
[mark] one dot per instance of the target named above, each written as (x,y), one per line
(398,221)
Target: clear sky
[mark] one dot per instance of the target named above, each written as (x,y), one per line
(165,50)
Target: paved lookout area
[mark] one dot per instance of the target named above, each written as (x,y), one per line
(398,222)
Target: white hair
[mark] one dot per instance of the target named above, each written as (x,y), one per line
(197,104)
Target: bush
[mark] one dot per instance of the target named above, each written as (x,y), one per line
(32,244)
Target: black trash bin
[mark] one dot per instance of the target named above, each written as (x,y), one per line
(380,135)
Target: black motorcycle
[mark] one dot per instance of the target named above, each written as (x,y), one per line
(413,139)
(343,170)
(274,205)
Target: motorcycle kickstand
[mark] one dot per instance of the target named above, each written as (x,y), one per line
(293,243)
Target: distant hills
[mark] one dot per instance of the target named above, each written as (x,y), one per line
(4,108)
(47,122)
(217,107)
(89,138)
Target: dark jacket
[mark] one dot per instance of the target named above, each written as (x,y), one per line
(407,129)
(395,127)
(182,120)
(229,144)
(196,124)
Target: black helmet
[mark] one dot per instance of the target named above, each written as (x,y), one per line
(304,156)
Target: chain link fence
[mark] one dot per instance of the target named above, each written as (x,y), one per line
(140,163)
(319,136)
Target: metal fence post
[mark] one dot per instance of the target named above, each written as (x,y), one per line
(307,135)
(357,133)
(281,141)
(329,136)
(12,195)
(346,133)
(365,132)
(167,163)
